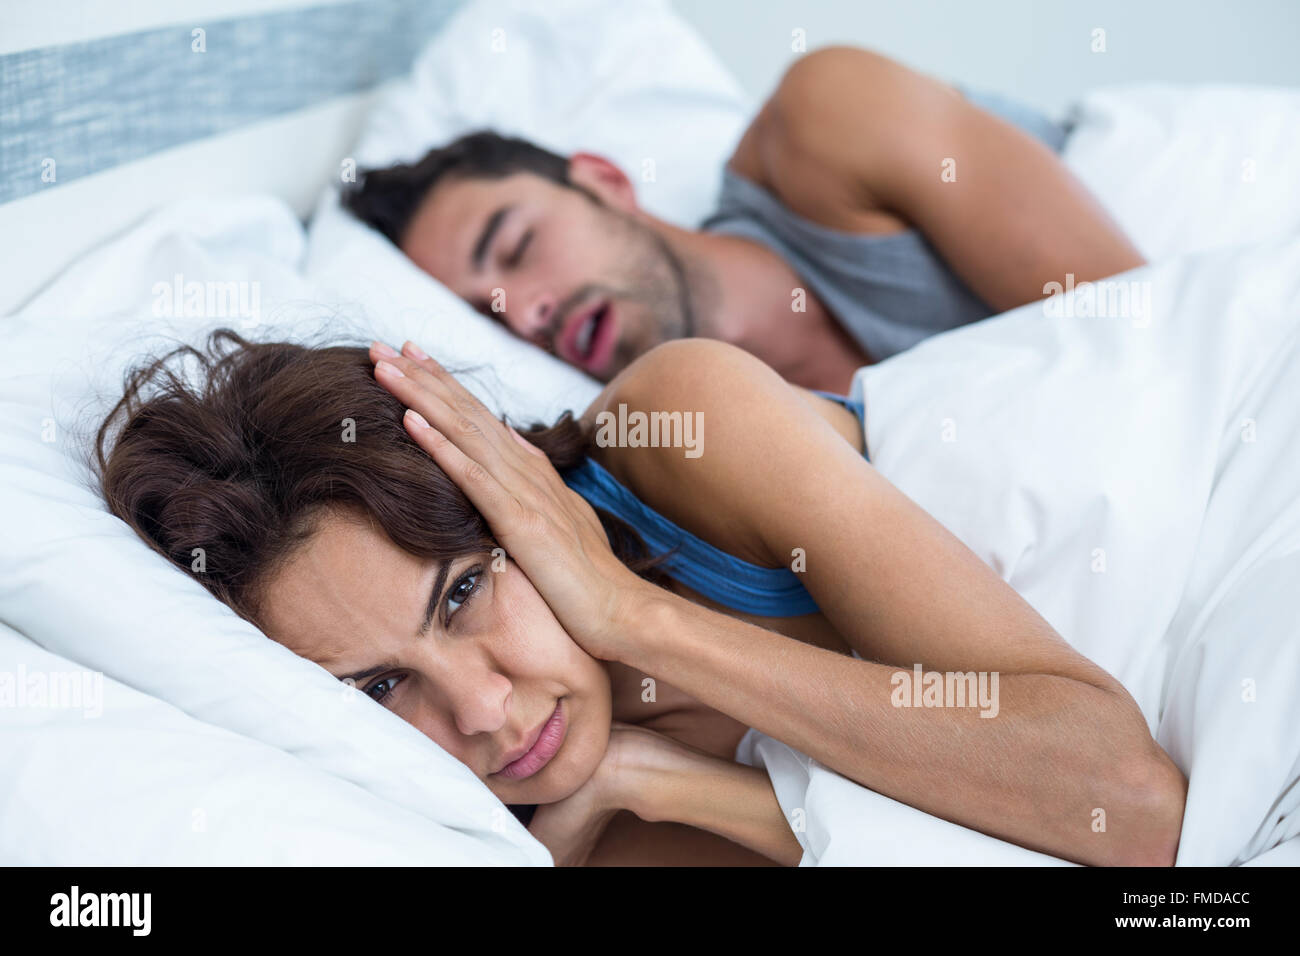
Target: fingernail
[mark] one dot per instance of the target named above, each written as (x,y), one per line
(383,349)
(390,369)
(414,351)
(416,417)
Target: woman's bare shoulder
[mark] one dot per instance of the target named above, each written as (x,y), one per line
(715,382)
(668,426)
(676,370)
(684,426)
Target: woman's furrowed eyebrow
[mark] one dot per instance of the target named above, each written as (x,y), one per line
(435,598)
(370,672)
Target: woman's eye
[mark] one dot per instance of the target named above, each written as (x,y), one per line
(460,591)
(380,690)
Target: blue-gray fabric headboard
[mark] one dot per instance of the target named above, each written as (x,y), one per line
(79,108)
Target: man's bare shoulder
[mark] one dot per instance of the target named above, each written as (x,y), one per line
(835,111)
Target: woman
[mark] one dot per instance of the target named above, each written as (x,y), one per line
(366,511)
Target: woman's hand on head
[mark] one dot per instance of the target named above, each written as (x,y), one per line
(549,530)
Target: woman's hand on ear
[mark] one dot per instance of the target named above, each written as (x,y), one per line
(549,530)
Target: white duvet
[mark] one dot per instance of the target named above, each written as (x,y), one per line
(1136,477)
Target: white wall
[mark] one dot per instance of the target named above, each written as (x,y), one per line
(1036,50)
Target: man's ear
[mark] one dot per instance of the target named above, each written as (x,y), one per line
(598,175)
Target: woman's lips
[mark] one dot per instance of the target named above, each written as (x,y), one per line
(543,748)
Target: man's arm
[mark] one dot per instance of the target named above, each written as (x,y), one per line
(855,141)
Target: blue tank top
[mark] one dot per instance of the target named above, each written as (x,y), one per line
(710,571)
(888,291)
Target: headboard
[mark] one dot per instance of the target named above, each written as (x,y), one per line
(108,111)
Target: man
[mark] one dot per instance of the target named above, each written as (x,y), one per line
(865,208)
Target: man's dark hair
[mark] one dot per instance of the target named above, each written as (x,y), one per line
(386,199)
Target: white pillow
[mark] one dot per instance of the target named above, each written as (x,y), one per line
(630,81)
(109,776)
(79,583)
(1189,168)
(359,272)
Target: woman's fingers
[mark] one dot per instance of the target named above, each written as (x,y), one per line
(480,486)
(452,411)
(452,392)
(463,399)
(527,445)
(476,450)
(457,394)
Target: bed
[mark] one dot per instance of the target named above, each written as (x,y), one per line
(182,735)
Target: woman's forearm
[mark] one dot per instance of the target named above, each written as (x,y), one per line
(1065,767)
(732,800)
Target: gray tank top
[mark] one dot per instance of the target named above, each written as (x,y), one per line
(889,292)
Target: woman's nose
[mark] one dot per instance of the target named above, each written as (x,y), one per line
(480,701)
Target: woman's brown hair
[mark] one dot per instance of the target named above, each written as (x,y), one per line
(242,463)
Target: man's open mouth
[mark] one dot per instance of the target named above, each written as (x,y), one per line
(589,337)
